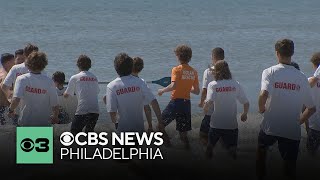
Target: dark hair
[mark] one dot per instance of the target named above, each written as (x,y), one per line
(137,64)
(315,59)
(296,65)
(59,77)
(285,47)
(184,53)
(29,49)
(5,57)
(222,71)
(123,64)
(18,52)
(84,63)
(218,53)
(36,61)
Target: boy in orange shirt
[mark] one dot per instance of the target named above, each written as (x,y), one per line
(184,80)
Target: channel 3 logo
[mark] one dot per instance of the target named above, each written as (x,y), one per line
(28,145)
(34,145)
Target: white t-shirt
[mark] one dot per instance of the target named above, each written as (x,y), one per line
(314,120)
(39,96)
(85,86)
(288,90)
(61,91)
(207,78)
(127,96)
(146,102)
(14,72)
(224,95)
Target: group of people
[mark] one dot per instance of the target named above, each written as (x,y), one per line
(287,100)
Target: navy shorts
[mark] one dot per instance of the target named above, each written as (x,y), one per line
(229,137)
(313,141)
(288,148)
(205,124)
(179,110)
(86,120)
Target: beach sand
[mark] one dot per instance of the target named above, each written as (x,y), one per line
(178,163)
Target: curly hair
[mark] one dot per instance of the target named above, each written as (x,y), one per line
(315,59)
(285,47)
(184,53)
(137,64)
(123,64)
(222,71)
(29,49)
(84,62)
(36,61)
(59,77)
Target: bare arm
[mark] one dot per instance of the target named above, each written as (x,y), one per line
(65,95)
(169,88)
(161,127)
(14,104)
(156,108)
(104,99)
(195,90)
(207,106)
(148,113)
(313,81)
(308,112)
(7,91)
(263,100)
(244,115)
(113,116)
(203,97)
(246,108)
(55,114)
(306,123)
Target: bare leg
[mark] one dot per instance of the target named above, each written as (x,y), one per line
(204,138)
(184,139)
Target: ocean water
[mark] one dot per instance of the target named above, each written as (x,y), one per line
(247,30)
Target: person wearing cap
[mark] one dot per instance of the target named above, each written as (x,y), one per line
(7,61)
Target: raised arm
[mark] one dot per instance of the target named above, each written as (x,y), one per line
(169,88)
(313,81)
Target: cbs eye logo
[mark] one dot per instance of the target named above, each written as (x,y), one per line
(40,145)
(66,138)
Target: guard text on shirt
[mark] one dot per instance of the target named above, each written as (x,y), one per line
(287,86)
(35,90)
